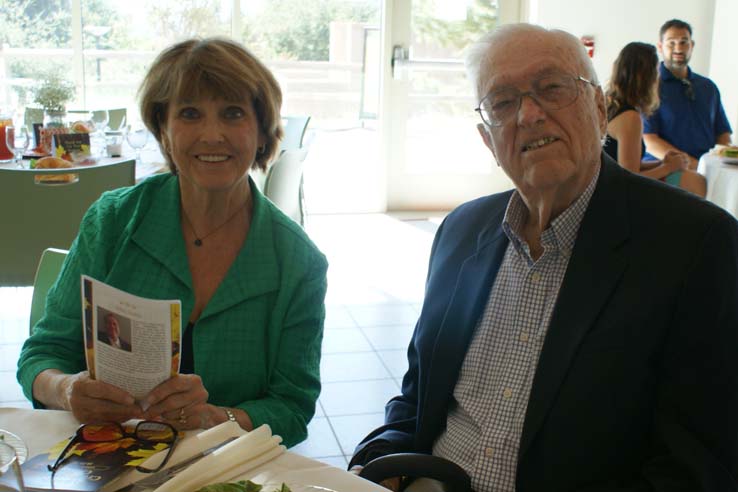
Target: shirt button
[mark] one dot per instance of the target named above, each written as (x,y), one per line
(524,337)
(507,394)
(535,277)
(489,452)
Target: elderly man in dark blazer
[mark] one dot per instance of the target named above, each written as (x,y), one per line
(579,333)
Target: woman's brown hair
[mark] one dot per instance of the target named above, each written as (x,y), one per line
(196,68)
(634,80)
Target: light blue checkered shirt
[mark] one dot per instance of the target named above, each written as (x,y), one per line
(485,423)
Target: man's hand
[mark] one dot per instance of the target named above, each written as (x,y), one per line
(391,483)
(183,402)
(95,401)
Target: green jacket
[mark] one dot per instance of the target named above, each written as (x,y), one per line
(257,342)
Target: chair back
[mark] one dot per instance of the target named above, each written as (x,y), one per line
(39,214)
(48,269)
(294,132)
(284,183)
(117,119)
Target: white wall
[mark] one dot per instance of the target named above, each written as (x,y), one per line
(616,23)
(723,70)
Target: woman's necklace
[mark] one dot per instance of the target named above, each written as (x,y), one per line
(198,239)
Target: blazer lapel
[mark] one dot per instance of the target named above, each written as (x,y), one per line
(596,265)
(470,295)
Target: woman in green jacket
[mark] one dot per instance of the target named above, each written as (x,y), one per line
(251,282)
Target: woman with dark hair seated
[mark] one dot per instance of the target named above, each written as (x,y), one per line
(251,282)
(633,92)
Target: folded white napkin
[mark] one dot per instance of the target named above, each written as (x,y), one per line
(235,458)
(187,447)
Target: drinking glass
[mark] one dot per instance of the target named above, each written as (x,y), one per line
(99,119)
(11,454)
(16,137)
(137,135)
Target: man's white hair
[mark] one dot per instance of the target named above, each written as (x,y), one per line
(477,53)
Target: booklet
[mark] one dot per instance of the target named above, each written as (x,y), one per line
(89,466)
(130,342)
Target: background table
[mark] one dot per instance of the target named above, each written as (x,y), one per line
(40,429)
(722,182)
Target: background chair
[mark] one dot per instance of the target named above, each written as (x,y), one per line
(294,132)
(453,478)
(48,269)
(37,215)
(294,128)
(284,182)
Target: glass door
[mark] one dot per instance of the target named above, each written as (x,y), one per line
(436,159)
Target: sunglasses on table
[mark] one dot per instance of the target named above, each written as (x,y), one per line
(146,431)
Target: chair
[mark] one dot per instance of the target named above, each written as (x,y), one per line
(284,183)
(414,465)
(46,273)
(117,119)
(294,132)
(37,215)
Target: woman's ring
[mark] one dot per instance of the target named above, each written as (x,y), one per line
(182,418)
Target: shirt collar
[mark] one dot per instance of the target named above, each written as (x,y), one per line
(562,232)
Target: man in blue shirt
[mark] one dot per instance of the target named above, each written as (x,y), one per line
(691,117)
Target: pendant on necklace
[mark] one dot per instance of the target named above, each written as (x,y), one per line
(197,242)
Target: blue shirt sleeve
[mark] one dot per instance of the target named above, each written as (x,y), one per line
(651,123)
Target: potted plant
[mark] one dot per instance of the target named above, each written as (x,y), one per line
(53,94)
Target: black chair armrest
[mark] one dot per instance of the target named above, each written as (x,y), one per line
(418,465)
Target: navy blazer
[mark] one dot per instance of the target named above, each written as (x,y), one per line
(636,387)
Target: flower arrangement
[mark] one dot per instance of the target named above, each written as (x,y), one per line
(53,93)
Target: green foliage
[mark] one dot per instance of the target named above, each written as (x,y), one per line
(480,17)
(185,19)
(53,93)
(300,30)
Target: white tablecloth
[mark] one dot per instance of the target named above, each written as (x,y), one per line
(40,429)
(722,182)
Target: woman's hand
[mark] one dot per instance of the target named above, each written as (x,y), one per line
(676,161)
(89,400)
(183,402)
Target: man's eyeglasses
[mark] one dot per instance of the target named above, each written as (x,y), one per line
(554,91)
(146,431)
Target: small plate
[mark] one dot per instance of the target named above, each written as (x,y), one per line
(729,160)
(21,451)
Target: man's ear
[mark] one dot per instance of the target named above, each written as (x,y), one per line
(660,47)
(601,109)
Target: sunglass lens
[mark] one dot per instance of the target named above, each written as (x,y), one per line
(154,431)
(101,432)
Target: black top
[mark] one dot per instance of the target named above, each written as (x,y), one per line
(186,355)
(611,145)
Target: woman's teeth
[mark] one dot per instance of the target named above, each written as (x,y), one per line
(539,143)
(212,158)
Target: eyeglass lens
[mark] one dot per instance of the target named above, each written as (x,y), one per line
(554,91)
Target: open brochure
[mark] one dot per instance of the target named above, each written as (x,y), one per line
(130,342)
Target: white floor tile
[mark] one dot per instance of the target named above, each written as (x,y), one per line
(10,390)
(389,337)
(395,360)
(352,367)
(383,314)
(320,441)
(338,317)
(337,461)
(351,429)
(9,353)
(357,397)
(347,340)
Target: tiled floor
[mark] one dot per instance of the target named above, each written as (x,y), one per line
(375,286)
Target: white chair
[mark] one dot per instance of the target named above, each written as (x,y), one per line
(39,214)
(283,185)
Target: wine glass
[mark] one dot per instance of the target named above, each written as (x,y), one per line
(99,119)
(16,137)
(137,135)
(12,455)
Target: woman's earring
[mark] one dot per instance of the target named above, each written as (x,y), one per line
(261,149)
